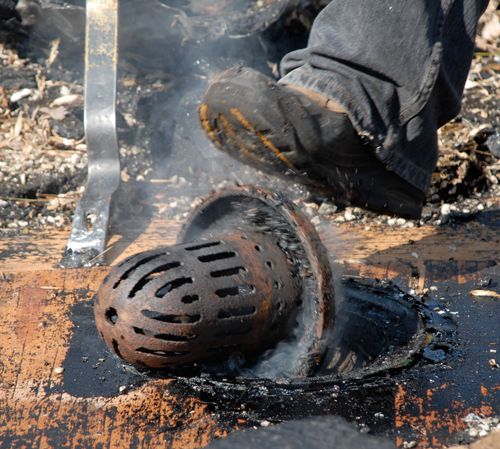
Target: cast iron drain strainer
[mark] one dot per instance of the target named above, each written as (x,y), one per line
(249,271)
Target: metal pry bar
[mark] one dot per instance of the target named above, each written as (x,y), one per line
(85,246)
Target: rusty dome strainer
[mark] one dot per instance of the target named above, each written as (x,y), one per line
(199,301)
(249,271)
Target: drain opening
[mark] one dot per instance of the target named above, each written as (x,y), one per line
(137,265)
(189,299)
(204,245)
(218,256)
(111,315)
(170,337)
(238,311)
(230,291)
(166,318)
(167,337)
(160,293)
(150,276)
(162,353)
(228,272)
(235,291)
(115,347)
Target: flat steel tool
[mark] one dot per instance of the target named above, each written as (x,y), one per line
(90,223)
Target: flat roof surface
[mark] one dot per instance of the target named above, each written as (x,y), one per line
(60,386)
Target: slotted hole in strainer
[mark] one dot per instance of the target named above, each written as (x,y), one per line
(137,265)
(170,318)
(235,291)
(168,337)
(237,311)
(151,275)
(227,272)
(111,315)
(162,353)
(203,245)
(115,347)
(189,299)
(218,256)
(176,283)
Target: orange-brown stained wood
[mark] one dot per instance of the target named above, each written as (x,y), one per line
(428,421)
(470,251)
(35,330)
(43,250)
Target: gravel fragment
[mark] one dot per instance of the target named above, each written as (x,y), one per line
(349,216)
(493,144)
(327,209)
(445,209)
(20,94)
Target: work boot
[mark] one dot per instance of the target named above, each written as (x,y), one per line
(297,133)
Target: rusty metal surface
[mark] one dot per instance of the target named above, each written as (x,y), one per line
(252,208)
(263,278)
(208,299)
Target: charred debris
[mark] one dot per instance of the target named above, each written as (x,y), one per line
(161,80)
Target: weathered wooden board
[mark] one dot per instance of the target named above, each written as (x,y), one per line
(35,333)
(348,243)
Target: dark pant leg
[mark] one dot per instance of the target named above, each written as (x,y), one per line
(397,66)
